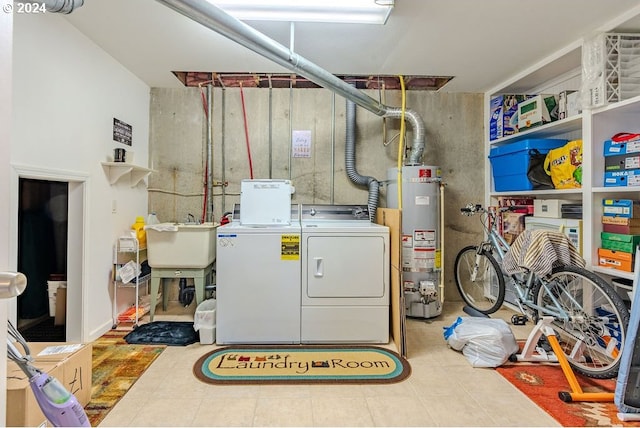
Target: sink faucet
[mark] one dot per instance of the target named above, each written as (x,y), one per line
(191,219)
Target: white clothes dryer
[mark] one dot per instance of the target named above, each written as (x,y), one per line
(345,276)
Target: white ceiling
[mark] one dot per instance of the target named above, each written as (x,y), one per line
(480,42)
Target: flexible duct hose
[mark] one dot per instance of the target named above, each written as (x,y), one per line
(350,162)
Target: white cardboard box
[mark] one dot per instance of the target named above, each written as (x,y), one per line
(537,110)
(567,104)
(550,208)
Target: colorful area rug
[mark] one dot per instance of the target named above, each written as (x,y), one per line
(116,367)
(301,364)
(542,383)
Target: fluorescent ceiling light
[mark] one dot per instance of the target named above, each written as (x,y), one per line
(342,11)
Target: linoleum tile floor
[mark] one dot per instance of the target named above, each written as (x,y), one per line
(443,390)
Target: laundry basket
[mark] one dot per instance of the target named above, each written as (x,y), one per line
(204,321)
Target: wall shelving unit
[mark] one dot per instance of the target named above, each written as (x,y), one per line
(127,249)
(558,72)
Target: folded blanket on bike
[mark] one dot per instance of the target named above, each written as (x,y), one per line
(540,251)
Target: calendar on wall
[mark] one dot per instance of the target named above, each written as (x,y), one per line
(301,147)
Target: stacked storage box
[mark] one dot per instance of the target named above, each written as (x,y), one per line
(512,222)
(510,162)
(622,163)
(503,118)
(620,233)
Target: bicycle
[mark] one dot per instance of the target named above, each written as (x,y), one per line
(589,317)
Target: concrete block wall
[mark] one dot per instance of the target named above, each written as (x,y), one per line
(454,141)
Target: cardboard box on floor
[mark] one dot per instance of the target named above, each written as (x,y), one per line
(61,306)
(22,408)
(67,362)
(76,362)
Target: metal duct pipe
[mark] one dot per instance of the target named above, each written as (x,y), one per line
(219,21)
(61,6)
(350,162)
(413,118)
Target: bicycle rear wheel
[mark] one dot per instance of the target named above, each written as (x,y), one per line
(593,332)
(479,280)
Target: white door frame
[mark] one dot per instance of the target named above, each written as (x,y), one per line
(76,238)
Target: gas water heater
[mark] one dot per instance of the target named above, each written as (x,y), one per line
(421,237)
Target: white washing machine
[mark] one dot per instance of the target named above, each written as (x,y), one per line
(258,283)
(345,276)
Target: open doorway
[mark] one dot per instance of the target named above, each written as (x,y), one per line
(43,213)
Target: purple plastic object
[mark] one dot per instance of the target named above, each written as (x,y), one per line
(60,407)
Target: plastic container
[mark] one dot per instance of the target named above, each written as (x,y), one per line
(204,321)
(55,281)
(152,219)
(510,162)
(141,235)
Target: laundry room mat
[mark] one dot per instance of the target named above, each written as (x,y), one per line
(301,365)
(172,333)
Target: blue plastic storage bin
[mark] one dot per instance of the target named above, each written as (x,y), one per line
(510,162)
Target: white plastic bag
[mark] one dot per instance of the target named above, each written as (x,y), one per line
(205,315)
(485,342)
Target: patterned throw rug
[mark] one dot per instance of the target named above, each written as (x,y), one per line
(301,364)
(116,367)
(542,382)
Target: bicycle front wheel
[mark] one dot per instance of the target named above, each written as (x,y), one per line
(479,280)
(592,322)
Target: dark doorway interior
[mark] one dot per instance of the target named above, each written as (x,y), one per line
(42,256)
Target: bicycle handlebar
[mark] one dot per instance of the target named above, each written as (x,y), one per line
(471,209)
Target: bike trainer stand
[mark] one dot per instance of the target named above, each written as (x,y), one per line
(531,352)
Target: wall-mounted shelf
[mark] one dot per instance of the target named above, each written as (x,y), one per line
(612,272)
(117,170)
(573,123)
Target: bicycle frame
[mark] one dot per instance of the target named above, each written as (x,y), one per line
(497,245)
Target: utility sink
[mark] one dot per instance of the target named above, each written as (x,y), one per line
(181,245)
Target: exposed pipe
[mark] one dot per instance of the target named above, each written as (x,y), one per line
(222,145)
(209,213)
(246,132)
(219,21)
(350,162)
(60,6)
(290,129)
(333,147)
(270,130)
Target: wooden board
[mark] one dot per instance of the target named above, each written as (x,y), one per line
(392,218)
